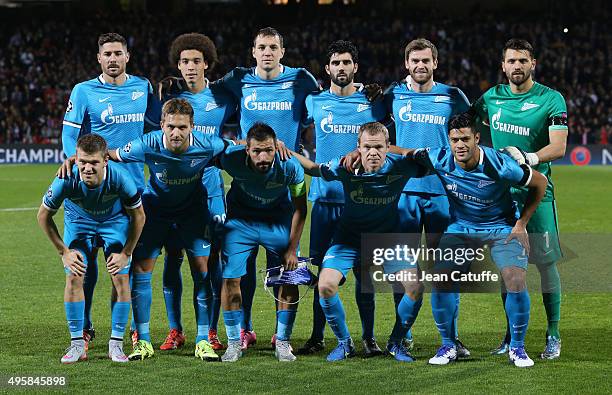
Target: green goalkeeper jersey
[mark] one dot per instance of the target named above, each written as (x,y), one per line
(524,120)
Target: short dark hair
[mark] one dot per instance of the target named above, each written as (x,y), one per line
(111,38)
(260,132)
(269,32)
(177,106)
(92,143)
(420,44)
(518,44)
(372,129)
(342,46)
(196,41)
(464,120)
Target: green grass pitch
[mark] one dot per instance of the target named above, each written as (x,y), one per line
(33,330)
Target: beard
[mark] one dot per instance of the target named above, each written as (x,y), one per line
(518,79)
(346,79)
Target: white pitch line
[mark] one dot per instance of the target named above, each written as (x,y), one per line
(19,209)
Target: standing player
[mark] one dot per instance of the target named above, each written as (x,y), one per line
(195,54)
(371,198)
(533,118)
(261,213)
(478,181)
(117,106)
(337,115)
(421,109)
(272,93)
(174,202)
(107,212)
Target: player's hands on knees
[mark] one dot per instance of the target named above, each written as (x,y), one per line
(73,261)
(351,161)
(290,260)
(282,149)
(65,169)
(519,232)
(116,262)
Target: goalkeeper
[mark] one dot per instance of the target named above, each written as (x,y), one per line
(530,121)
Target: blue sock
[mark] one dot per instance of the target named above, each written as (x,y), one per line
(366,305)
(131,277)
(456,315)
(141,304)
(443,308)
(215,273)
(75,312)
(285,320)
(334,312)
(173,290)
(517,309)
(248,284)
(202,295)
(407,311)
(89,285)
(232,320)
(120,312)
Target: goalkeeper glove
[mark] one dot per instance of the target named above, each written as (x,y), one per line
(522,157)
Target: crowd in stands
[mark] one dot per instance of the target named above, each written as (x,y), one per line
(43,54)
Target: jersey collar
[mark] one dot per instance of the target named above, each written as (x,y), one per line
(101,78)
(282,70)
(408,81)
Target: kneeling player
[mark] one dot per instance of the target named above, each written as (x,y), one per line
(478,181)
(259,212)
(371,197)
(106,211)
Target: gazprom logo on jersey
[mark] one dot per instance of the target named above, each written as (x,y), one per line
(163,178)
(251,103)
(327,126)
(205,129)
(507,127)
(406,115)
(108,118)
(358,197)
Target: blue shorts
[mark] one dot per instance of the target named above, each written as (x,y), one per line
(503,255)
(421,210)
(343,257)
(242,237)
(189,232)
(87,236)
(324,219)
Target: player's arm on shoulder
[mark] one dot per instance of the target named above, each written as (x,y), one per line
(231,83)
(134,151)
(73,119)
(311,168)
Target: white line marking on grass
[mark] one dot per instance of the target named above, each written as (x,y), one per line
(18,209)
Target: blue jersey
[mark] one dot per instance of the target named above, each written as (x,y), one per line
(100,204)
(212,107)
(259,196)
(175,181)
(371,199)
(278,102)
(116,112)
(479,198)
(337,120)
(421,120)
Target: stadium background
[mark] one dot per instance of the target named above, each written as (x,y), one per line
(46,47)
